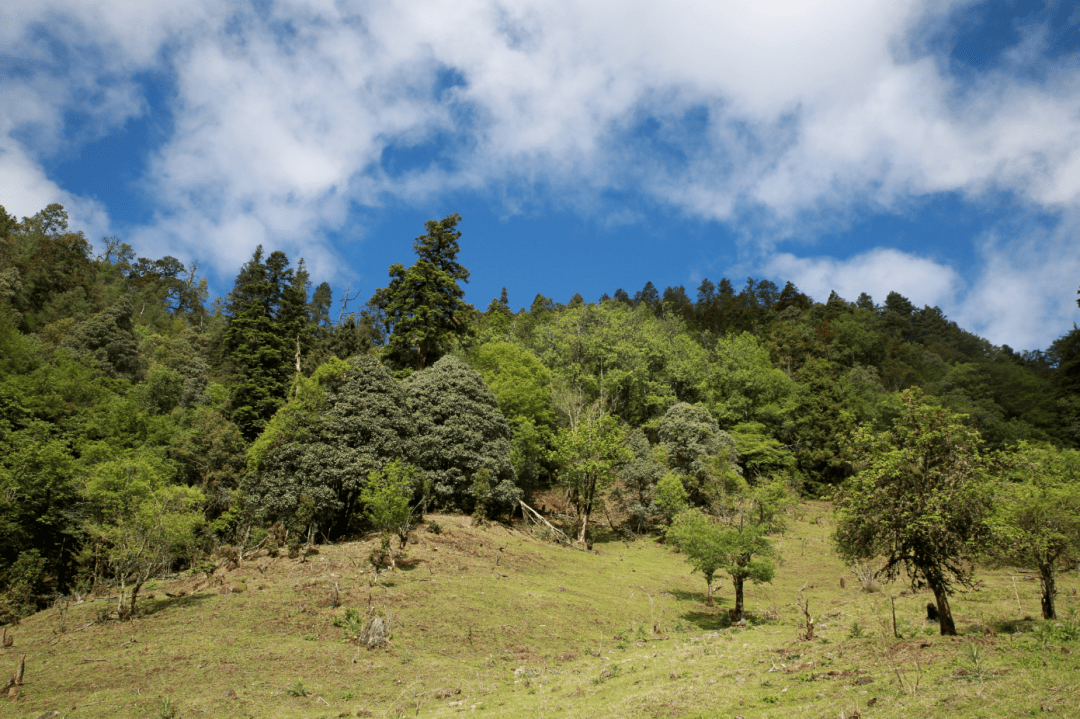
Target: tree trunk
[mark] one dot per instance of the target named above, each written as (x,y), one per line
(134,597)
(584,526)
(1049,589)
(708,599)
(737,583)
(944,611)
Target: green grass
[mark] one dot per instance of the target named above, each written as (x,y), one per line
(547,631)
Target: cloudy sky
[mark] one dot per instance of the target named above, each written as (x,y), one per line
(932,148)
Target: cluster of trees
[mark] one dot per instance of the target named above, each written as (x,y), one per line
(141,425)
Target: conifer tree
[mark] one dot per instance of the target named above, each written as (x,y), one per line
(423,306)
(267,312)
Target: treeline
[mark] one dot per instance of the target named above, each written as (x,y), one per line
(142,426)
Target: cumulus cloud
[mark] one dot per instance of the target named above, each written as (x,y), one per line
(1025,294)
(794,113)
(877,272)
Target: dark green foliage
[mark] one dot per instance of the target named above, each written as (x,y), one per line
(637,491)
(24,586)
(347,421)
(459,430)
(696,448)
(267,328)
(423,307)
(210,453)
(46,268)
(109,338)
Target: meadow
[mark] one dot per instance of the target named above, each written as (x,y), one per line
(493,619)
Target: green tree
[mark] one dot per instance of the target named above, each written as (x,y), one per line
(210,454)
(671,496)
(459,430)
(139,523)
(743,385)
(386,501)
(742,551)
(920,498)
(587,454)
(1037,515)
(109,338)
(423,307)
(348,420)
(639,494)
(698,450)
(267,325)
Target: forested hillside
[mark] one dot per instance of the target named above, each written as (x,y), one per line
(142,425)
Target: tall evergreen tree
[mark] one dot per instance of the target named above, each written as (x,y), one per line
(423,306)
(267,321)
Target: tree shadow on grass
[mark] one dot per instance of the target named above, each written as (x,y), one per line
(149,607)
(709,621)
(407,564)
(698,597)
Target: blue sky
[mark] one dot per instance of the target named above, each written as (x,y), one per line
(932,148)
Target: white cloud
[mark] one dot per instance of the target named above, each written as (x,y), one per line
(877,272)
(797,113)
(1025,295)
(25,190)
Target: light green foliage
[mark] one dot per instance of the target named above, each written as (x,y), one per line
(640,363)
(139,523)
(519,381)
(740,550)
(459,429)
(1036,517)
(698,450)
(671,496)
(921,499)
(587,454)
(521,385)
(161,391)
(387,495)
(761,455)
(744,386)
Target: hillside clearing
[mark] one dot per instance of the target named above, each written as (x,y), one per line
(491,619)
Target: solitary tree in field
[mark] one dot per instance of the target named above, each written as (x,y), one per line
(740,550)
(921,499)
(1037,515)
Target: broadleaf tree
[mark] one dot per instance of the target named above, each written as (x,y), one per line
(1037,515)
(741,550)
(921,499)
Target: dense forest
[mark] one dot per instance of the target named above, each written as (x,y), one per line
(142,426)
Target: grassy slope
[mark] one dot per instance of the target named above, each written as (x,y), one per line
(547,631)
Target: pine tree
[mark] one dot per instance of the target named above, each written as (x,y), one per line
(267,321)
(423,306)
